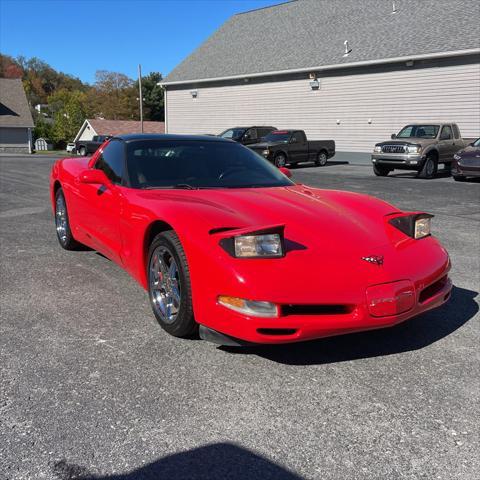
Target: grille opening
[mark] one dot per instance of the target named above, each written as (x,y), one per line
(394,149)
(433,289)
(276,331)
(316,309)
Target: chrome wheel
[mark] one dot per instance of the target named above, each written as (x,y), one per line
(430,168)
(61,221)
(280,161)
(165,288)
(322,159)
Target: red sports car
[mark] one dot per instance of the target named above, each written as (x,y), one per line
(227,245)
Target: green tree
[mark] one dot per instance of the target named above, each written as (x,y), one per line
(43,129)
(69,112)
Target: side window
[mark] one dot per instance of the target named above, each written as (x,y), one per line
(251,133)
(264,132)
(111,161)
(298,137)
(446,133)
(456,131)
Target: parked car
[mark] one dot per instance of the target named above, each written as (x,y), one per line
(282,147)
(228,246)
(246,135)
(70,147)
(466,162)
(87,147)
(419,146)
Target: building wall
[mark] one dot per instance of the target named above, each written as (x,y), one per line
(341,109)
(14,140)
(87,134)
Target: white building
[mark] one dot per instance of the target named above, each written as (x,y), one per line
(377,68)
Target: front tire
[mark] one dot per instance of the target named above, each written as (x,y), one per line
(429,168)
(169,286)
(381,171)
(322,159)
(62,223)
(82,151)
(280,160)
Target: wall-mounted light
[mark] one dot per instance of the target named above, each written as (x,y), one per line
(338,121)
(369,121)
(394,8)
(409,63)
(315,84)
(194,93)
(347,49)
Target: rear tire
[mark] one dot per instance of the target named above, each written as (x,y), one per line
(381,171)
(169,286)
(322,159)
(62,223)
(429,167)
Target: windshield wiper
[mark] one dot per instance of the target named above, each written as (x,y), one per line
(180,186)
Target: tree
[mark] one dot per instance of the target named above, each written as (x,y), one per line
(153,95)
(114,96)
(69,112)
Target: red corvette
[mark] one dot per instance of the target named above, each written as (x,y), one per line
(227,245)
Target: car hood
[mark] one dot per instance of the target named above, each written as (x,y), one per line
(263,145)
(409,141)
(327,217)
(470,152)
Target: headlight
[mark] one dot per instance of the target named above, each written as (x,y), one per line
(377,149)
(457,157)
(268,245)
(414,148)
(422,227)
(416,226)
(265,153)
(249,307)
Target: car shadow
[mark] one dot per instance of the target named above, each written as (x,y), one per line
(414,334)
(400,174)
(219,461)
(330,163)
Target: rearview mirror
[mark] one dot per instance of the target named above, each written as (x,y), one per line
(393,136)
(286,172)
(93,176)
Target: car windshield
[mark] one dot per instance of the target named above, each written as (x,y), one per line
(198,164)
(277,136)
(233,133)
(419,131)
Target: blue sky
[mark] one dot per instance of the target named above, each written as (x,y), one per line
(81,36)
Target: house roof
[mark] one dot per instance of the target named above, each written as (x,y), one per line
(311,34)
(123,127)
(14,109)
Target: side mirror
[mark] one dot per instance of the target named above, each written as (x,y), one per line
(93,176)
(393,136)
(286,172)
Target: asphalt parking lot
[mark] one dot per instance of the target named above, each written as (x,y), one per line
(92,388)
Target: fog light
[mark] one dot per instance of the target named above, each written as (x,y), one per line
(390,298)
(249,307)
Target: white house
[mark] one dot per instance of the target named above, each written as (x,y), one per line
(350,70)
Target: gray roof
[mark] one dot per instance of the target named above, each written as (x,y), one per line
(311,33)
(14,109)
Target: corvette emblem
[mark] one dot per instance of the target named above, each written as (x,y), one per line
(376,259)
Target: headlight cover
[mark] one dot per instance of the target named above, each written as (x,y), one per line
(266,242)
(252,308)
(417,225)
(265,245)
(414,148)
(377,149)
(457,157)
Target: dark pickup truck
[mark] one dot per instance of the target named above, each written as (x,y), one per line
(87,147)
(282,147)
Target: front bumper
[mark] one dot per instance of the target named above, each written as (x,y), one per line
(306,322)
(402,161)
(460,170)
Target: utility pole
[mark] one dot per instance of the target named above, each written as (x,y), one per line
(141,95)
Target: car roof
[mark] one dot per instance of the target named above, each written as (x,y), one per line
(252,126)
(160,136)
